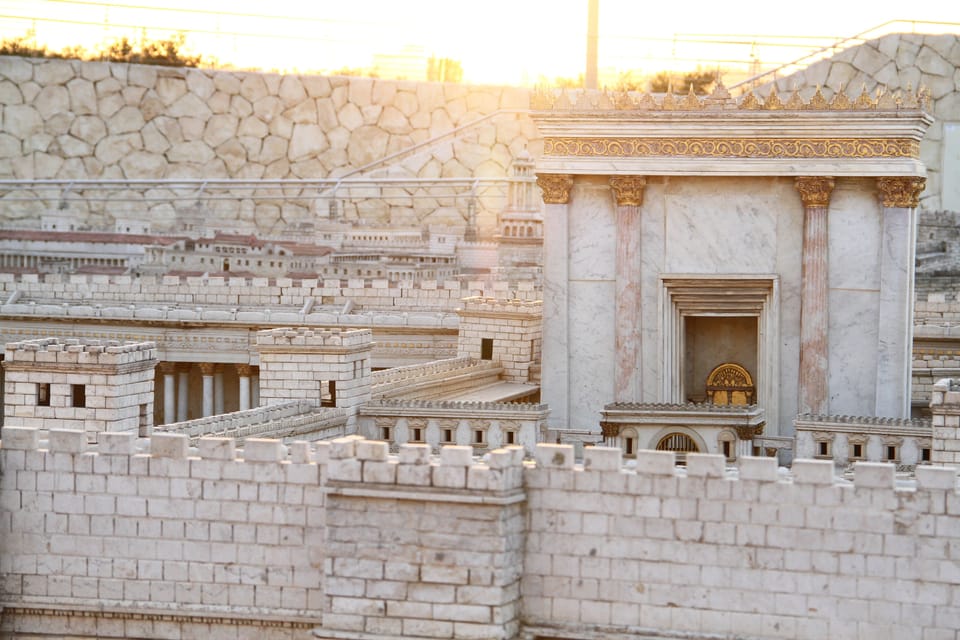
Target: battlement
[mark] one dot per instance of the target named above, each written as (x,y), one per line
(75,351)
(302,337)
(497,306)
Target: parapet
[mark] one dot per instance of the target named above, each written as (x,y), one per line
(497,306)
(301,337)
(80,352)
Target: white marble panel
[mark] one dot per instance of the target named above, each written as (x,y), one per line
(789,261)
(555,329)
(853,351)
(652,245)
(591,361)
(593,233)
(895,321)
(854,233)
(716,225)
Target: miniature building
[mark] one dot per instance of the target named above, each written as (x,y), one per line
(330,367)
(520,225)
(505,331)
(686,237)
(72,384)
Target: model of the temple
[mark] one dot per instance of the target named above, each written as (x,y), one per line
(360,455)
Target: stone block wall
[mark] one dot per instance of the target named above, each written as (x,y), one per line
(113,294)
(761,555)
(112,543)
(331,367)
(84,385)
(515,328)
(412,553)
(344,540)
(945,407)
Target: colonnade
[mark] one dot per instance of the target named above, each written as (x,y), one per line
(177,393)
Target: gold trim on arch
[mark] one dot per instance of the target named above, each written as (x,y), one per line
(634,147)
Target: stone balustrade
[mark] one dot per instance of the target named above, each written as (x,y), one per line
(848,439)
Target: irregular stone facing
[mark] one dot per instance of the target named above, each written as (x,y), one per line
(150,122)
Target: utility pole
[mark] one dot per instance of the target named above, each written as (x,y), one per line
(593,36)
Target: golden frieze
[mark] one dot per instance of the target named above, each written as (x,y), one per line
(732,147)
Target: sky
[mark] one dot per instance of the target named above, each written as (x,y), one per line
(496,41)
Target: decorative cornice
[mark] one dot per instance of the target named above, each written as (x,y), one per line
(555,187)
(628,190)
(815,191)
(901,191)
(632,147)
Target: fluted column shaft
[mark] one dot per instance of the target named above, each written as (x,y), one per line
(628,192)
(814,393)
(218,389)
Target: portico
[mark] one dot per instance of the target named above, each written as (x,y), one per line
(689,235)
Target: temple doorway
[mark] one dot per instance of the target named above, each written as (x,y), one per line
(715,349)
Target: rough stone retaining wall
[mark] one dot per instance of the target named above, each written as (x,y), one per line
(69,119)
(379,545)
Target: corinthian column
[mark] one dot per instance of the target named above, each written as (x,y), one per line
(814,295)
(555,373)
(244,371)
(899,197)
(628,191)
(169,370)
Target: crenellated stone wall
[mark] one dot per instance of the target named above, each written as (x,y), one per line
(344,540)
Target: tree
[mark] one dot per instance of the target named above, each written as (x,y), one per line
(702,81)
(444,70)
(168,52)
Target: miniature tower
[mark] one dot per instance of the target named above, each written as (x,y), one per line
(506,331)
(82,385)
(520,224)
(330,368)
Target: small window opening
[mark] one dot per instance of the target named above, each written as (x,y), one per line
(328,394)
(925,455)
(78,395)
(726,448)
(478,436)
(386,433)
(824,448)
(511,437)
(891,453)
(417,435)
(448,435)
(486,348)
(43,394)
(628,446)
(144,429)
(858,451)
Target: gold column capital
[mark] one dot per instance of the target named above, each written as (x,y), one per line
(555,187)
(901,191)
(628,190)
(815,191)
(167,368)
(207,368)
(244,370)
